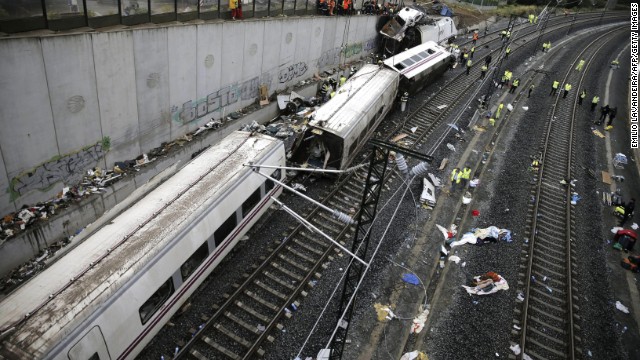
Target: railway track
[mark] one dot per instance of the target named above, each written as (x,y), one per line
(238,327)
(547,288)
(459,94)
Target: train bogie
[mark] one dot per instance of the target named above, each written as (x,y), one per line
(130,277)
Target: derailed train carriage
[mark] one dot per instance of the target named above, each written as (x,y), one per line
(340,127)
(113,292)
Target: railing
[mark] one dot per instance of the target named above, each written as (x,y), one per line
(26,15)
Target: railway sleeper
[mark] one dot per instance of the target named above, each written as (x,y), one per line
(286,272)
(195,354)
(313,238)
(560,354)
(270,290)
(546,313)
(307,247)
(242,323)
(220,348)
(279,281)
(547,327)
(228,333)
(252,312)
(300,255)
(262,301)
(293,263)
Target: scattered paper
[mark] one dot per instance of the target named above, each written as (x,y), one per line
(509,107)
(454,258)
(418,323)
(383,312)
(515,348)
(413,129)
(525,108)
(615,229)
(441,107)
(598,133)
(621,307)
(634,226)
(454,126)
(451,147)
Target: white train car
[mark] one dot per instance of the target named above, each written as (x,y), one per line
(338,128)
(111,294)
(420,65)
(411,27)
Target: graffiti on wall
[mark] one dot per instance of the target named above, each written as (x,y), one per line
(291,72)
(332,57)
(216,101)
(68,169)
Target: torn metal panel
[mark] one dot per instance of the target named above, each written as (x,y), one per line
(428,195)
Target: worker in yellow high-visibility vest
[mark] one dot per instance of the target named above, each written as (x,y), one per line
(554,87)
(567,87)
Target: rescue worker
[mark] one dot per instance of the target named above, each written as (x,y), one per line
(343,80)
(483,71)
(594,103)
(508,35)
(455,179)
(583,94)
(466,174)
(500,107)
(567,87)
(492,121)
(503,80)
(530,90)
(612,114)
(475,37)
(604,111)
(352,71)
(472,51)
(535,19)
(535,165)
(580,65)
(515,85)
(487,60)
(531,18)
(554,87)
(503,34)
(507,52)
(324,91)
(615,64)
(333,93)
(469,63)
(628,211)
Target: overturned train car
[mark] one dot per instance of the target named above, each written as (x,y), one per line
(339,128)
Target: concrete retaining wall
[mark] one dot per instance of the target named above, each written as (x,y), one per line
(69,103)
(72,102)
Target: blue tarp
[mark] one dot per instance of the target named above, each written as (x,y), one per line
(446,12)
(411,279)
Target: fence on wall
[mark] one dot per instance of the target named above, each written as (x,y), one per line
(26,15)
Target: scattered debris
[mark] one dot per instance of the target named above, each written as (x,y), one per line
(515,348)
(428,195)
(454,258)
(414,355)
(454,126)
(411,279)
(440,107)
(525,108)
(383,312)
(451,147)
(483,236)
(413,129)
(399,137)
(486,284)
(466,199)
(434,180)
(299,187)
(575,198)
(448,233)
(418,322)
(598,133)
(621,307)
(474,182)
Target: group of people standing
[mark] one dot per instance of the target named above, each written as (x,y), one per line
(333,7)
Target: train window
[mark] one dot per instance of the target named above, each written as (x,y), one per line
(156,300)
(416,58)
(192,263)
(431,51)
(225,229)
(352,148)
(269,183)
(399,66)
(250,203)
(95,356)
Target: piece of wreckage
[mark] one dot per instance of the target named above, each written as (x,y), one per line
(411,27)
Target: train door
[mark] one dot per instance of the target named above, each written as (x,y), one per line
(91,347)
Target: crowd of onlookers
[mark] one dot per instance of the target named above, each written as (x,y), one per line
(345,7)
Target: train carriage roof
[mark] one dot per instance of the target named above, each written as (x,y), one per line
(353,99)
(220,166)
(417,59)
